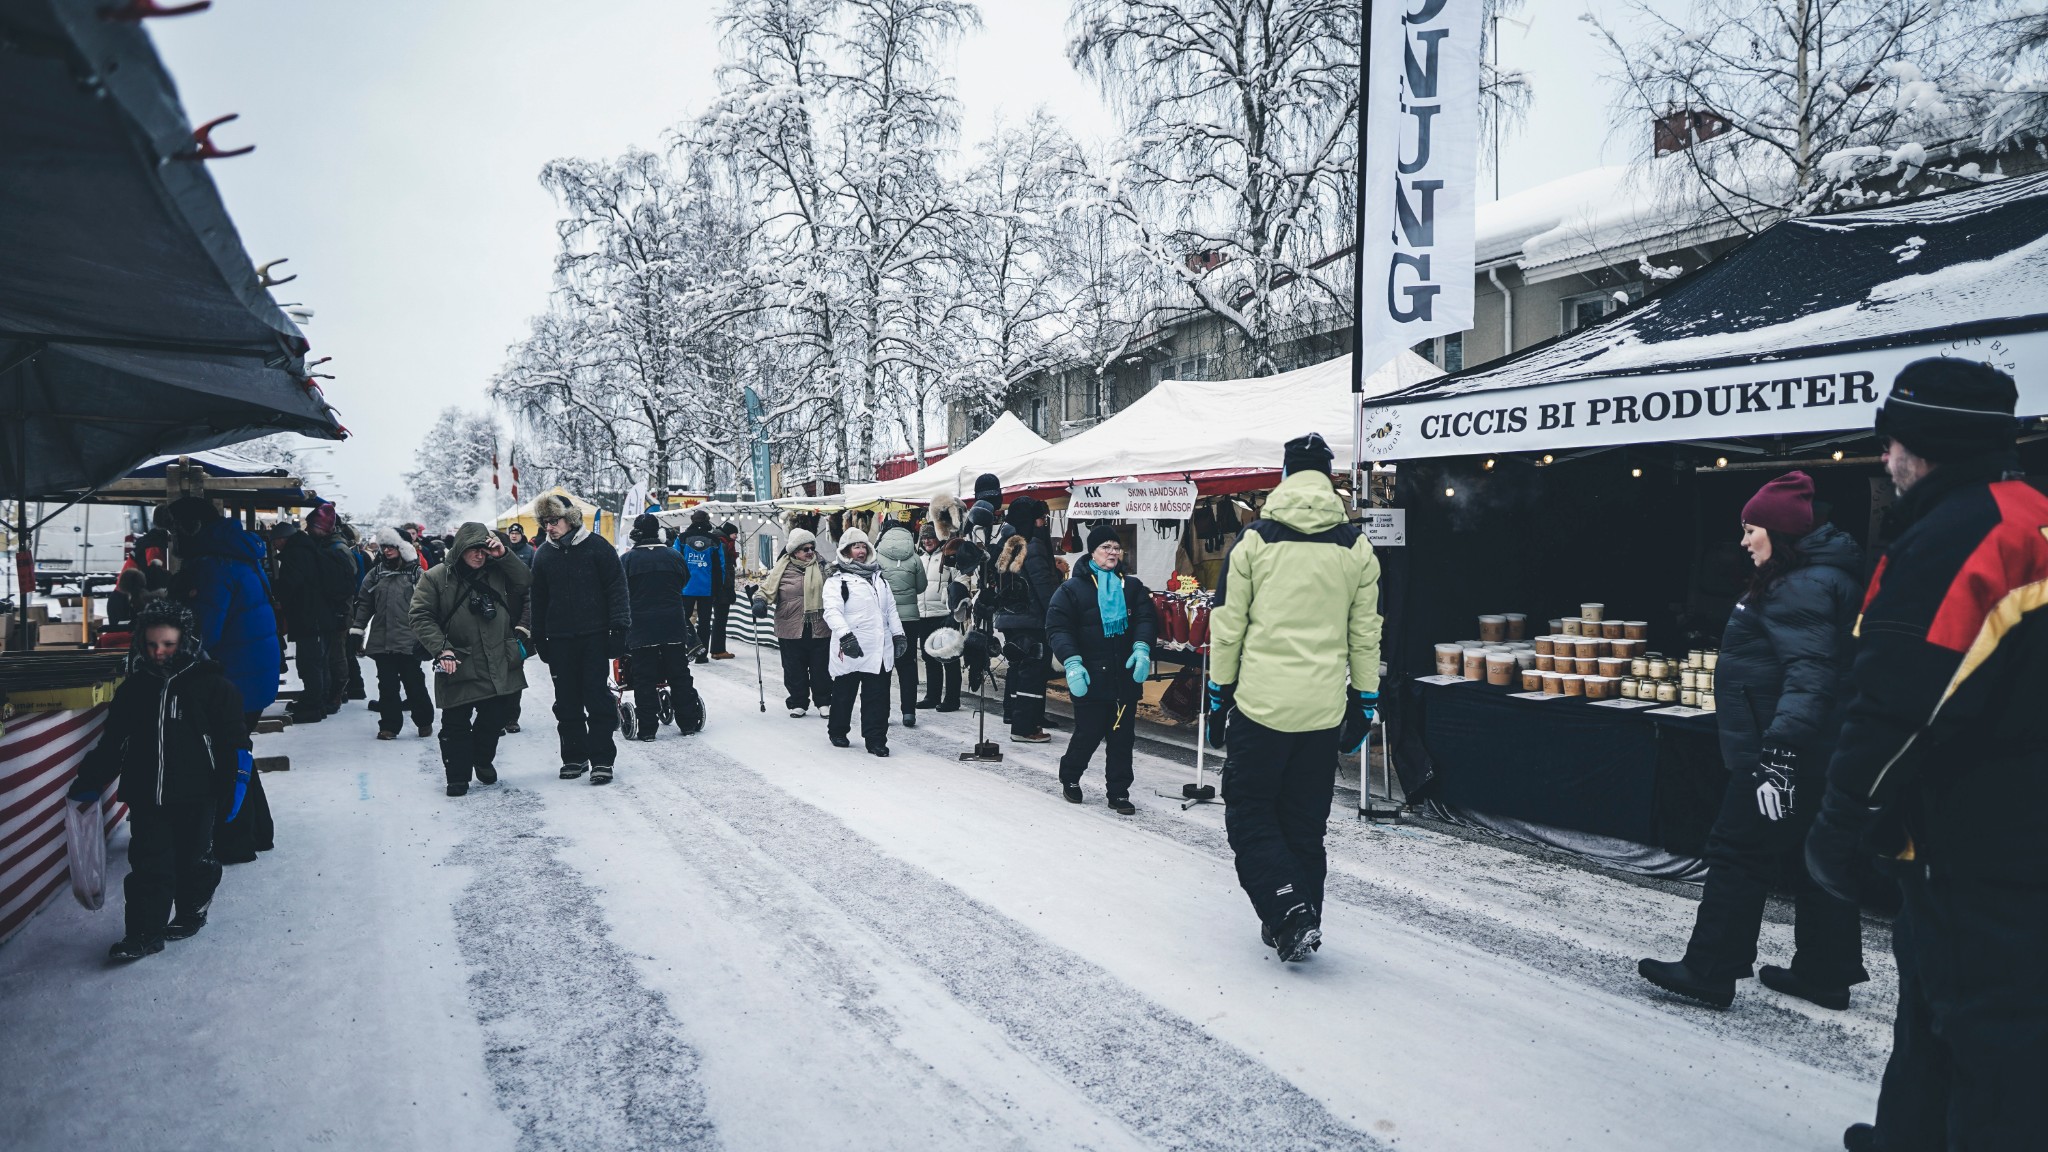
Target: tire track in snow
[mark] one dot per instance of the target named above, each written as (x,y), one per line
(582,1055)
(1759,1021)
(1126,1055)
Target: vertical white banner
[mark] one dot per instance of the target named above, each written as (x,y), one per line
(1420,120)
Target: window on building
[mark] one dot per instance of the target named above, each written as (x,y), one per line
(1446,352)
(1037,419)
(1579,311)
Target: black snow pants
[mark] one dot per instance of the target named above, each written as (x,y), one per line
(1970,1045)
(806,672)
(873,690)
(1100,716)
(469,735)
(585,714)
(721,623)
(310,658)
(697,610)
(170,862)
(401,689)
(1277,788)
(1746,854)
(652,667)
(1024,687)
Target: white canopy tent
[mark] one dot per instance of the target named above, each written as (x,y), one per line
(1219,433)
(1005,442)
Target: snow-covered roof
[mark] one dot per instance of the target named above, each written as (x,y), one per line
(1597,217)
(1814,304)
(1215,426)
(1007,440)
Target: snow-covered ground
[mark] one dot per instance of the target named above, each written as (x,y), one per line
(753,940)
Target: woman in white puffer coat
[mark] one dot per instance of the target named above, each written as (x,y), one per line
(867,639)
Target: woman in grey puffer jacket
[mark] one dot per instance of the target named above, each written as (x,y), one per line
(896,552)
(381,627)
(1779,688)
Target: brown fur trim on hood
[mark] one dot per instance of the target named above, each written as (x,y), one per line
(948,514)
(1011,561)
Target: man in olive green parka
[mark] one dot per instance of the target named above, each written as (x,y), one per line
(466,612)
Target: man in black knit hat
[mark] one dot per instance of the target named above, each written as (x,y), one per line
(1941,774)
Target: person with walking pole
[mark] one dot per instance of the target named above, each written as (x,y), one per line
(1940,776)
(1101,625)
(1297,609)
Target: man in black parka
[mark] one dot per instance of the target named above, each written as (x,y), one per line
(1026,579)
(1102,635)
(580,618)
(658,643)
(1941,771)
(176,737)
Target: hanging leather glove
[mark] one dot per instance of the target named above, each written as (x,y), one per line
(1140,662)
(1776,775)
(1077,676)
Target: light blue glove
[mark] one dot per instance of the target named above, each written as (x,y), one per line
(1077,676)
(1140,662)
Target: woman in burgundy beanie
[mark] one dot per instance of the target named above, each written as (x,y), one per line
(1781,683)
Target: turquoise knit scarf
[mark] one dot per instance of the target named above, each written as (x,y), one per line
(1109,600)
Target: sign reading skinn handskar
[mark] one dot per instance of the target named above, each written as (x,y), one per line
(1419,131)
(1132,500)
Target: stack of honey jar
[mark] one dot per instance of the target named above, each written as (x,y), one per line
(1585,655)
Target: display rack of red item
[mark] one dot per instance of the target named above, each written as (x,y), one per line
(1183,620)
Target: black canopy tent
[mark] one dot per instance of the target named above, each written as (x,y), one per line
(1611,465)
(132,323)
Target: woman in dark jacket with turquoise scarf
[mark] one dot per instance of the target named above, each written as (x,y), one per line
(1100,626)
(1781,684)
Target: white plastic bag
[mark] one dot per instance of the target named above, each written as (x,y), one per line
(85,851)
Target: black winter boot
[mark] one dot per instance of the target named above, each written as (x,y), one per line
(1791,984)
(572,771)
(486,774)
(1674,977)
(600,773)
(1122,806)
(186,926)
(1072,792)
(878,749)
(458,790)
(1860,1138)
(910,717)
(1300,932)
(135,946)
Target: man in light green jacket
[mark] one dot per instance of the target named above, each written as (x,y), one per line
(1297,609)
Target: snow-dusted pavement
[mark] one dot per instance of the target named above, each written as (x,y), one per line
(753,940)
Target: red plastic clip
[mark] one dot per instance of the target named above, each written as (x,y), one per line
(135,10)
(203,147)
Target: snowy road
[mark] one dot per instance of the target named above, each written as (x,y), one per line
(756,941)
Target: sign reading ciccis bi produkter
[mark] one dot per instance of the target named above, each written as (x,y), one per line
(1820,393)
(1132,500)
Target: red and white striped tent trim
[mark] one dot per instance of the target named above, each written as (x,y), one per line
(39,757)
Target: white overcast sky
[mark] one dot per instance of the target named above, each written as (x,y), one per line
(398,143)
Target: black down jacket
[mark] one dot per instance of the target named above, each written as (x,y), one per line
(1073,627)
(655,578)
(1783,677)
(578,588)
(172,735)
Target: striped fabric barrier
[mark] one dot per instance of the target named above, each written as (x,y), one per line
(39,757)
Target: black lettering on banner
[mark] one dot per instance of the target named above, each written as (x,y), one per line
(1624,409)
(1725,394)
(1568,406)
(1547,417)
(1753,396)
(1461,425)
(1422,74)
(1429,427)
(1518,419)
(1856,388)
(1785,388)
(1685,404)
(1479,422)
(1419,231)
(1421,296)
(1595,408)
(1820,390)
(1656,406)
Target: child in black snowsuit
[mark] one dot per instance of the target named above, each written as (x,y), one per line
(176,737)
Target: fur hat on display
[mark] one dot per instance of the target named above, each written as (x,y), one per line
(944,644)
(1023,513)
(948,513)
(549,506)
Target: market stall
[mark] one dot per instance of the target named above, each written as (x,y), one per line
(1608,469)
(132,325)
(1001,446)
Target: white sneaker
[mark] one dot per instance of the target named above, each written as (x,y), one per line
(797,713)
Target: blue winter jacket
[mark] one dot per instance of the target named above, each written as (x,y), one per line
(231,598)
(704,554)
